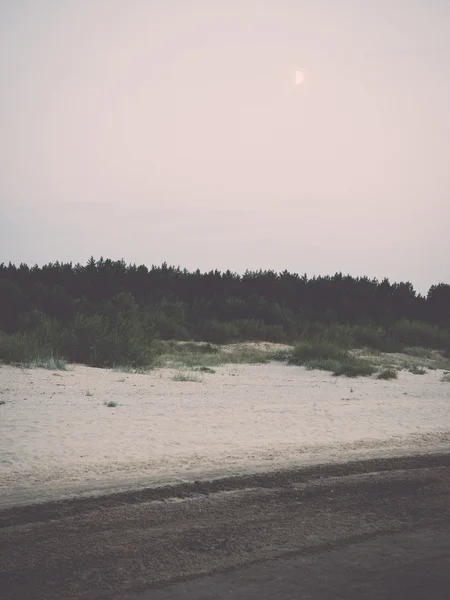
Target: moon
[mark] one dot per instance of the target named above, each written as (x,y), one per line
(299,77)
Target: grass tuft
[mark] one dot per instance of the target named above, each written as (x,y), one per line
(306,352)
(204,369)
(387,374)
(186,377)
(418,352)
(446,377)
(415,370)
(322,364)
(132,370)
(281,355)
(51,363)
(111,403)
(355,368)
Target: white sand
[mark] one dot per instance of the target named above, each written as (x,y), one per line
(57,442)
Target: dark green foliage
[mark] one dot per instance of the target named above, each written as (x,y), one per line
(21,348)
(108,312)
(417,370)
(355,368)
(316,351)
(408,334)
(323,364)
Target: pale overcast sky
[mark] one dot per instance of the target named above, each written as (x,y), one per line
(173,130)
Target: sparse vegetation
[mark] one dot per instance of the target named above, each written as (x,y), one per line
(418,352)
(186,377)
(355,368)
(281,355)
(415,370)
(330,357)
(176,355)
(446,377)
(131,370)
(111,404)
(308,352)
(205,370)
(51,362)
(323,364)
(387,374)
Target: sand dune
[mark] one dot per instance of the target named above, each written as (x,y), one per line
(58,438)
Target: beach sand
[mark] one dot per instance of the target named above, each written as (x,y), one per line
(59,440)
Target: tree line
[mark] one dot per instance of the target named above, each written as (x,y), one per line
(113,300)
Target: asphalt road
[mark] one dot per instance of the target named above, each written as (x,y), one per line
(374,529)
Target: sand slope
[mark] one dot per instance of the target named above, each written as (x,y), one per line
(58,441)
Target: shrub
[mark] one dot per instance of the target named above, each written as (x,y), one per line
(387,374)
(281,355)
(374,338)
(21,348)
(417,351)
(317,351)
(217,332)
(186,377)
(355,368)
(417,370)
(92,341)
(204,369)
(51,362)
(414,333)
(322,364)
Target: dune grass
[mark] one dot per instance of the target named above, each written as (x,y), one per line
(204,370)
(355,368)
(387,374)
(188,377)
(306,352)
(200,356)
(51,363)
(415,370)
(327,356)
(132,370)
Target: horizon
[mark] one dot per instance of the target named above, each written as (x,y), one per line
(306,137)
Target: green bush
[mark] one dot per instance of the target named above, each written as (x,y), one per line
(281,355)
(317,351)
(355,368)
(323,364)
(21,348)
(217,332)
(387,374)
(92,341)
(417,351)
(414,333)
(375,338)
(417,370)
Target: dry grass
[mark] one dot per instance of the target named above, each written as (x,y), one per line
(201,356)
(430,359)
(387,374)
(186,377)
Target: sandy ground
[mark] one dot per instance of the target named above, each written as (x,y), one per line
(58,439)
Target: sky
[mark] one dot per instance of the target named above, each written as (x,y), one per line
(174,131)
